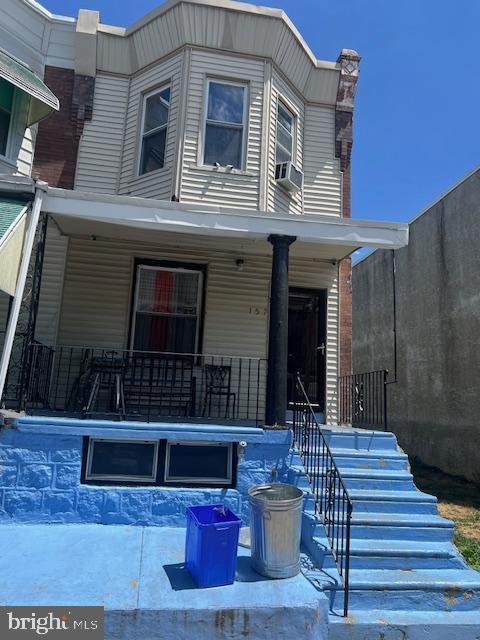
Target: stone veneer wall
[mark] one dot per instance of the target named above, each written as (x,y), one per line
(40,482)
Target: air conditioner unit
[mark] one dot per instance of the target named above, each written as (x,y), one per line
(289,176)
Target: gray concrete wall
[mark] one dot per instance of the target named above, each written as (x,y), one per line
(434,408)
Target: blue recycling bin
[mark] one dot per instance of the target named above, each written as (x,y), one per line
(211,544)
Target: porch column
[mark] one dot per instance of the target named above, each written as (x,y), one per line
(276,400)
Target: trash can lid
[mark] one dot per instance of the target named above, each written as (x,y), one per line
(276,492)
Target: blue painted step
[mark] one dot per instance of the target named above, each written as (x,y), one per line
(374,460)
(402,625)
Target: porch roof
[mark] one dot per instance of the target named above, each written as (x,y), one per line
(84,213)
(12,225)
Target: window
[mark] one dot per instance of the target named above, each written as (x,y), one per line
(199,463)
(126,460)
(225,124)
(109,461)
(285,134)
(154,130)
(167,309)
(6,105)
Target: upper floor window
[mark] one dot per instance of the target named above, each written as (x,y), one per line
(285,134)
(225,124)
(156,106)
(6,106)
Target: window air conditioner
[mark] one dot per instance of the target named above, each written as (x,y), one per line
(289,176)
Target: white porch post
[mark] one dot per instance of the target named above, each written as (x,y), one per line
(40,190)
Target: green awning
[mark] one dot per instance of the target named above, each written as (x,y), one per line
(42,100)
(12,231)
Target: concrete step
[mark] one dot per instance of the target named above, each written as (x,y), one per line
(405,625)
(406,502)
(384,480)
(422,589)
(359,439)
(373,460)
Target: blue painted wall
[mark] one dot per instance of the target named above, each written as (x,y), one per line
(40,477)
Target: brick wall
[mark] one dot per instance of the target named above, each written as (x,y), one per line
(58,136)
(40,482)
(349,62)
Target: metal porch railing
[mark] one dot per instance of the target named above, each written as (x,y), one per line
(333,504)
(144,385)
(362,399)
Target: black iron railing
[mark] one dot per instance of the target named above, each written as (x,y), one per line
(362,399)
(332,501)
(127,384)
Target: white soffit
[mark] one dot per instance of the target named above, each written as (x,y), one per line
(81,213)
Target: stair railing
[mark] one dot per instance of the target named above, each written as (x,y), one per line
(333,504)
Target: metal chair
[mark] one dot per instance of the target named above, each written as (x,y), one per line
(218,384)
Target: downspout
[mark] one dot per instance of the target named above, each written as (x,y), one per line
(40,190)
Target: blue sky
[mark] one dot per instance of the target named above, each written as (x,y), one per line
(417,128)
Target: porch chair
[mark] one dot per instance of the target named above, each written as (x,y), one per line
(218,380)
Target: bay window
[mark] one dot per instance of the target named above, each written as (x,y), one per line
(225,124)
(156,106)
(167,309)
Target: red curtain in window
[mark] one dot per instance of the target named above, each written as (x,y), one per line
(162,302)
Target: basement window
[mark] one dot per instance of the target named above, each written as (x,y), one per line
(121,460)
(199,463)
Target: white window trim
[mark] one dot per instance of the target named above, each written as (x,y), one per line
(145,97)
(150,267)
(286,105)
(12,127)
(201,145)
(121,478)
(192,479)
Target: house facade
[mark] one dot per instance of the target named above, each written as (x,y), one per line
(171,111)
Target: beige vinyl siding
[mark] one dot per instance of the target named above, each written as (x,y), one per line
(323,179)
(100,149)
(236,188)
(98,290)
(50,300)
(155,184)
(277,198)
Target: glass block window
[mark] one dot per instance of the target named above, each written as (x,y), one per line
(167,309)
(156,108)
(225,124)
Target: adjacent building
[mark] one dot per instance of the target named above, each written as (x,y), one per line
(426,295)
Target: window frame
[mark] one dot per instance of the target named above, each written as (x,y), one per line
(142,134)
(169,266)
(12,126)
(193,480)
(286,105)
(243,126)
(88,478)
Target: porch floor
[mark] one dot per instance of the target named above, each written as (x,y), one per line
(138,575)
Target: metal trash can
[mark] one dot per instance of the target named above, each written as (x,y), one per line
(275,529)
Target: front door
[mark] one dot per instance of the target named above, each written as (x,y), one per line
(306,343)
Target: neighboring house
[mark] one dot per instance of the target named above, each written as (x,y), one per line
(180,253)
(433,403)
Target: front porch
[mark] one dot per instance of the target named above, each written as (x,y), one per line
(149,311)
